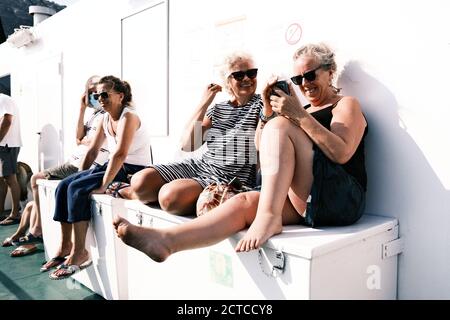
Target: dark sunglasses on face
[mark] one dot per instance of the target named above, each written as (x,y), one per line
(239,75)
(103,94)
(310,76)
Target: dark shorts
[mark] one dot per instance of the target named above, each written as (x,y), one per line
(8,160)
(337,198)
(60,172)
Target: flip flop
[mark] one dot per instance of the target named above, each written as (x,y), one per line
(64,271)
(8,242)
(52,263)
(8,221)
(23,251)
(27,239)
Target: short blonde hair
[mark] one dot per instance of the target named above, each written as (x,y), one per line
(229,62)
(323,54)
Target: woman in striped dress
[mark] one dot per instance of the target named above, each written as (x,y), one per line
(228,129)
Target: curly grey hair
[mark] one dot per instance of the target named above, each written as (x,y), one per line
(229,62)
(322,53)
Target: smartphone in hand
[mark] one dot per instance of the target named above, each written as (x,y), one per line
(282,85)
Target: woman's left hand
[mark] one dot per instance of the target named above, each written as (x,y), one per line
(285,105)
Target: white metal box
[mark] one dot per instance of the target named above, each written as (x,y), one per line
(107,274)
(353,262)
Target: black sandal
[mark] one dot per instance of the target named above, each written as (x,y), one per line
(54,262)
(114,188)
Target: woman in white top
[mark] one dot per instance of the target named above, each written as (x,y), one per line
(129,148)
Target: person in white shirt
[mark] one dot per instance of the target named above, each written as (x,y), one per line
(90,115)
(10,143)
(129,146)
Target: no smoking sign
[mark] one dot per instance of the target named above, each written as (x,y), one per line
(293,33)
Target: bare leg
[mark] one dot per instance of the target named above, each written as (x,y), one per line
(144,186)
(66,240)
(65,245)
(180,196)
(293,175)
(35,220)
(232,216)
(24,222)
(11,180)
(79,254)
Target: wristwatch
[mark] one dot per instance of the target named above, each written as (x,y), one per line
(264,119)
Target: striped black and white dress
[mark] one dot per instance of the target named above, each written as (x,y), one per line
(230,148)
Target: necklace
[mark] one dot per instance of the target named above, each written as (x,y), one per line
(112,128)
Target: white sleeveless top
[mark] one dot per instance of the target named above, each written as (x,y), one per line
(81,150)
(139,151)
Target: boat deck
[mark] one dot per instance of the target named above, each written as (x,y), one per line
(20,278)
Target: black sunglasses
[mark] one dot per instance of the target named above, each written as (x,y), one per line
(239,75)
(103,94)
(310,76)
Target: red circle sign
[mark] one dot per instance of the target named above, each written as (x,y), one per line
(293,33)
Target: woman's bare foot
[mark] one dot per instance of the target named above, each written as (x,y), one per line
(263,227)
(150,241)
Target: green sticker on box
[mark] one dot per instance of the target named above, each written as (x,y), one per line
(220,268)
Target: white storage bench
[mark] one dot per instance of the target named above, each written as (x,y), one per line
(107,275)
(354,262)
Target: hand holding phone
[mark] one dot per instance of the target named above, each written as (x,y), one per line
(283,86)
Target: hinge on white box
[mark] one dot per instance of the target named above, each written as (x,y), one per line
(150,222)
(277,268)
(392,248)
(139,218)
(98,208)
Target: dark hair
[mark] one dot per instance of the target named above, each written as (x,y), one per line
(120,86)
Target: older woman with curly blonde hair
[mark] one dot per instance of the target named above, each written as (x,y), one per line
(227,127)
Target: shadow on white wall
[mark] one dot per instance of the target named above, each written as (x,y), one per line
(402,184)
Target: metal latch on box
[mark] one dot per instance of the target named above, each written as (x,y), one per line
(392,248)
(98,208)
(140,220)
(276,268)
